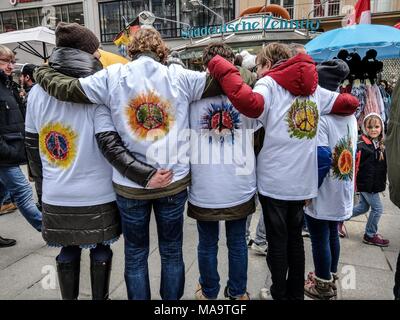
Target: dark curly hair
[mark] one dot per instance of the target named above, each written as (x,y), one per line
(219,48)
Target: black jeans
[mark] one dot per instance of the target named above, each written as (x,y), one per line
(285,257)
(396,289)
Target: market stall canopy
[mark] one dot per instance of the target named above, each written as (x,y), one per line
(359,38)
(28,40)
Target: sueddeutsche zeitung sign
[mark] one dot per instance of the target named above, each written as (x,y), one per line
(252,23)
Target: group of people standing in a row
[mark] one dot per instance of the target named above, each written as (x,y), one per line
(113,144)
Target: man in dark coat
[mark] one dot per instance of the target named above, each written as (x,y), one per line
(12,147)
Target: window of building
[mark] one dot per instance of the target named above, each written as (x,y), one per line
(326,9)
(165,9)
(48,16)
(384,5)
(200,16)
(30,18)
(112,14)
(9,21)
(287,4)
(75,13)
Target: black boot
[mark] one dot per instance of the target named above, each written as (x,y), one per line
(68,278)
(100,272)
(7,242)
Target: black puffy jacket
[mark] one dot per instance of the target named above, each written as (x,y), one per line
(371,172)
(12,127)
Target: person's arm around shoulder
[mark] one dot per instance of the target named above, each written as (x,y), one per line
(342,104)
(247,102)
(212,87)
(114,150)
(60,86)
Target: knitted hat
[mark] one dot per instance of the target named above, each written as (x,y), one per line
(331,73)
(73,35)
(27,70)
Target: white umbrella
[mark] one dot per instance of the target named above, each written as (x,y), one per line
(25,40)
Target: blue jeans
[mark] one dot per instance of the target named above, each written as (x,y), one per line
(21,192)
(207,251)
(4,194)
(325,246)
(368,200)
(260,238)
(135,219)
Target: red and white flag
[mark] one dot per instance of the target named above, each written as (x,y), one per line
(363,11)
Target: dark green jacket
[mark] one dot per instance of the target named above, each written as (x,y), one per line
(393,147)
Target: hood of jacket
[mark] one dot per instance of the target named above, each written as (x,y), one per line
(74,62)
(298,75)
(364,130)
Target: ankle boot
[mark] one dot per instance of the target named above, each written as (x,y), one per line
(320,289)
(100,272)
(68,279)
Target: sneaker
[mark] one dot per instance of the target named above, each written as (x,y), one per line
(319,289)
(246,296)
(342,230)
(376,240)
(7,242)
(260,248)
(7,208)
(265,294)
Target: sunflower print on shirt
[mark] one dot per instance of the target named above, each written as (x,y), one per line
(302,119)
(342,163)
(149,116)
(220,122)
(58,144)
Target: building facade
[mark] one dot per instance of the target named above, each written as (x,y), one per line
(107,17)
(332,13)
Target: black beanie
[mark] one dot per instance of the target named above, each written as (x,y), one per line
(73,35)
(331,73)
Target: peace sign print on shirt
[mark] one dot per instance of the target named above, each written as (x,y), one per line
(149,116)
(302,119)
(58,144)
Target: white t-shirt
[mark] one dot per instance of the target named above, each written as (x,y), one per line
(149,105)
(287,163)
(75,173)
(335,196)
(222,158)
